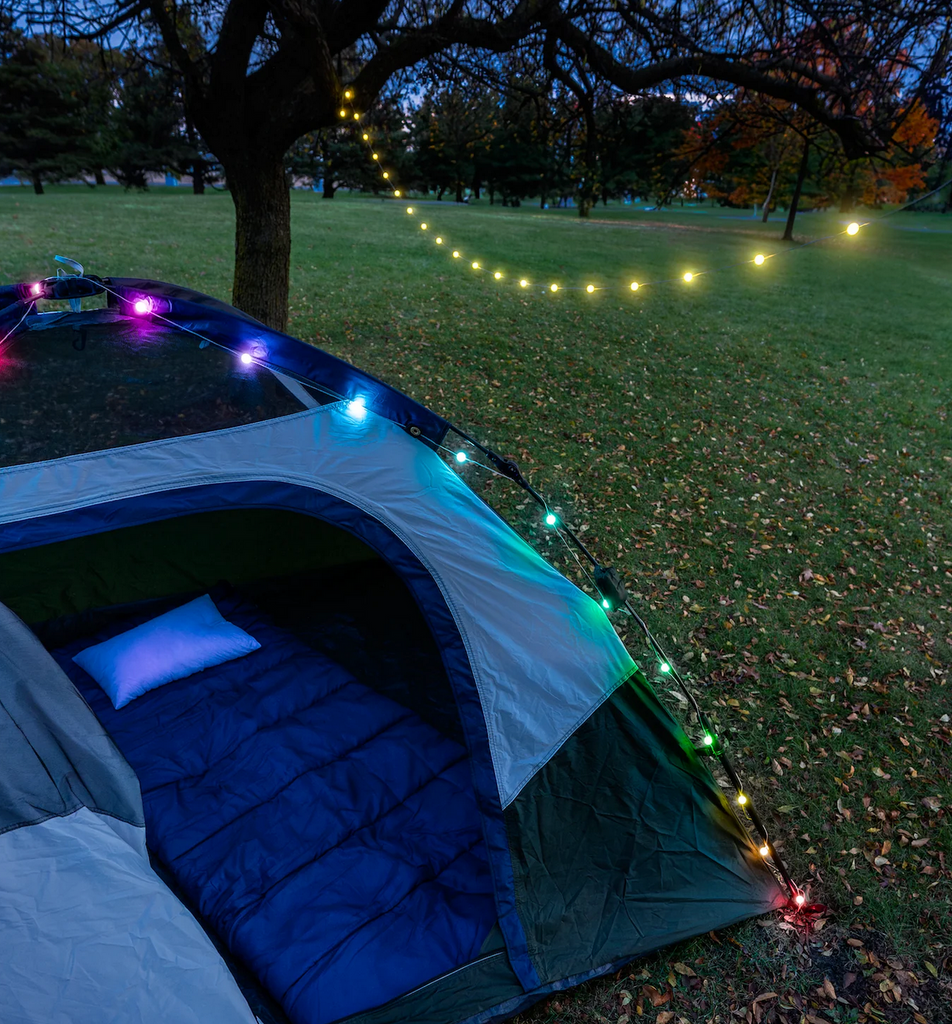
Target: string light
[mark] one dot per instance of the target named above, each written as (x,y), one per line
(343,113)
(634,286)
(142,306)
(35,289)
(708,740)
(475,265)
(461,456)
(497,276)
(386,174)
(456,254)
(590,289)
(423,226)
(356,116)
(410,210)
(348,94)
(606,604)
(665,667)
(366,137)
(245,357)
(853,228)
(396,193)
(551,519)
(765,850)
(523,283)
(375,156)
(688,277)
(553,287)
(759,259)
(741,799)
(799,899)
(438,240)
(357,407)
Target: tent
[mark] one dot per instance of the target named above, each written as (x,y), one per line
(438,789)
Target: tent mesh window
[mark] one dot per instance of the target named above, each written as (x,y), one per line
(100,380)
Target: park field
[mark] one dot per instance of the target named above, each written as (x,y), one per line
(764,454)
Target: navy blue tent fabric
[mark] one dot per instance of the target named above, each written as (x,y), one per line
(318,825)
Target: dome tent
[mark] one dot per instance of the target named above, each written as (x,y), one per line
(439,789)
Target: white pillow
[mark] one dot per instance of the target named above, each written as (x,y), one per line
(171,646)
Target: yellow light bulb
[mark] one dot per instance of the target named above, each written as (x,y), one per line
(409,209)
(456,254)
(523,283)
(343,113)
(475,265)
(423,226)
(386,174)
(688,277)
(590,289)
(759,259)
(853,228)
(396,192)
(366,137)
(765,851)
(741,799)
(553,287)
(356,116)
(348,95)
(374,156)
(439,241)
(497,276)
(634,286)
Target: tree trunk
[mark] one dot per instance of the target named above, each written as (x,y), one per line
(262,241)
(459,191)
(329,189)
(767,201)
(198,178)
(794,202)
(100,180)
(37,183)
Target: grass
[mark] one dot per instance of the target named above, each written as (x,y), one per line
(763,454)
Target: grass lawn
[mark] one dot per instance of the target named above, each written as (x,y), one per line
(763,454)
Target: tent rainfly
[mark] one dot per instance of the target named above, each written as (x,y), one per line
(429,784)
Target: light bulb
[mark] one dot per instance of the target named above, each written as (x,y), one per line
(456,254)
(634,286)
(356,116)
(523,283)
(708,740)
(475,265)
(497,276)
(245,357)
(590,289)
(553,287)
(439,241)
(396,193)
(551,519)
(461,456)
(423,226)
(357,407)
(386,174)
(409,209)
(741,799)
(759,259)
(606,603)
(665,667)
(374,156)
(35,289)
(366,137)
(853,228)
(765,851)
(348,94)
(142,306)
(689,277)
(343,113)
(800,899)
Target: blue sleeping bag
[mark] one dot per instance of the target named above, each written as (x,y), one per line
(328,834)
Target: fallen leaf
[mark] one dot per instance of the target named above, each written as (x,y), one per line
(684,969)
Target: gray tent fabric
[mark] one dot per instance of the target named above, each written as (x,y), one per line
(55,757)
(89,934)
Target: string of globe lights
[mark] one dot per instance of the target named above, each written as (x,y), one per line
(552,287)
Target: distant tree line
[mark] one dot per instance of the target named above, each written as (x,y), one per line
(786,102)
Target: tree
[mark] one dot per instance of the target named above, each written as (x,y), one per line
(266,72)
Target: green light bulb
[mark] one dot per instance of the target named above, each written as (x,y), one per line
(665,667)
(461,456)
(551,519)
(606,603)
(708,740)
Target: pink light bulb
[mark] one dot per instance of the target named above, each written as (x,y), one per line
(800,899)
(142,306)
(35,289)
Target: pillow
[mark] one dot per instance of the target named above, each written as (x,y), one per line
(171,646)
